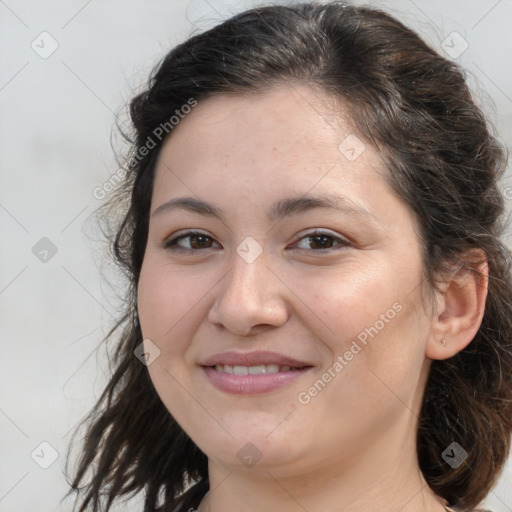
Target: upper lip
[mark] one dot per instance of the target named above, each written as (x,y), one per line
(253,359)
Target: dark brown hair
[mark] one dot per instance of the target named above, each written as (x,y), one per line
(414,106)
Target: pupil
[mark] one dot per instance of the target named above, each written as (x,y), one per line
(325,241)
(201,241)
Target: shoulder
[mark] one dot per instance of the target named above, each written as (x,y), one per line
(473,510)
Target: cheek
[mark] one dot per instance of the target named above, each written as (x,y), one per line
(341,302)
(170,305)
(169,300)
(367,314)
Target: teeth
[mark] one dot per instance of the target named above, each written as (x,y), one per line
(260,369)
(256,370)
(240,370)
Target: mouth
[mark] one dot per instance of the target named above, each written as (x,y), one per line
(254,359)
(260,369)
(252,372)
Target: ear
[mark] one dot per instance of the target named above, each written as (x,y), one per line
(460,308)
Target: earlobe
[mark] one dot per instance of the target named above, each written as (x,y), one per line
(461,309)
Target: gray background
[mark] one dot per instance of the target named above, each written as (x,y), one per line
(57,115)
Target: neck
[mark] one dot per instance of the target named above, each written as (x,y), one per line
(386,477)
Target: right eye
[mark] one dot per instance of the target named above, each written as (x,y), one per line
(191,241)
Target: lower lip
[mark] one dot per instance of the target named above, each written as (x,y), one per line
(251,384)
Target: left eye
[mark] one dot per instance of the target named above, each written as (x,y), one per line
(320,240)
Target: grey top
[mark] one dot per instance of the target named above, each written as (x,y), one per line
(475,510)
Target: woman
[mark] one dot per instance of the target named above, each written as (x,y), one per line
(319,314)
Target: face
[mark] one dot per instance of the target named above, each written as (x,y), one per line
(281,284)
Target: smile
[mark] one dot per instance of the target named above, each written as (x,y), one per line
(260,369)
(249,380)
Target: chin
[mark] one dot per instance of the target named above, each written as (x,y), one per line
(248,445)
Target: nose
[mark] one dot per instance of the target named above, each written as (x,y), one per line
(250,299)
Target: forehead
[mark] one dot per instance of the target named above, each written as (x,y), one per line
(292,133)
(282,114)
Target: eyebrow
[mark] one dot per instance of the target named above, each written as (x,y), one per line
(280,209)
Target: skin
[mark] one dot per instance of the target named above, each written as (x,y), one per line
(352,447)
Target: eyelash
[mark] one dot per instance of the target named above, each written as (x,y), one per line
(170,244)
